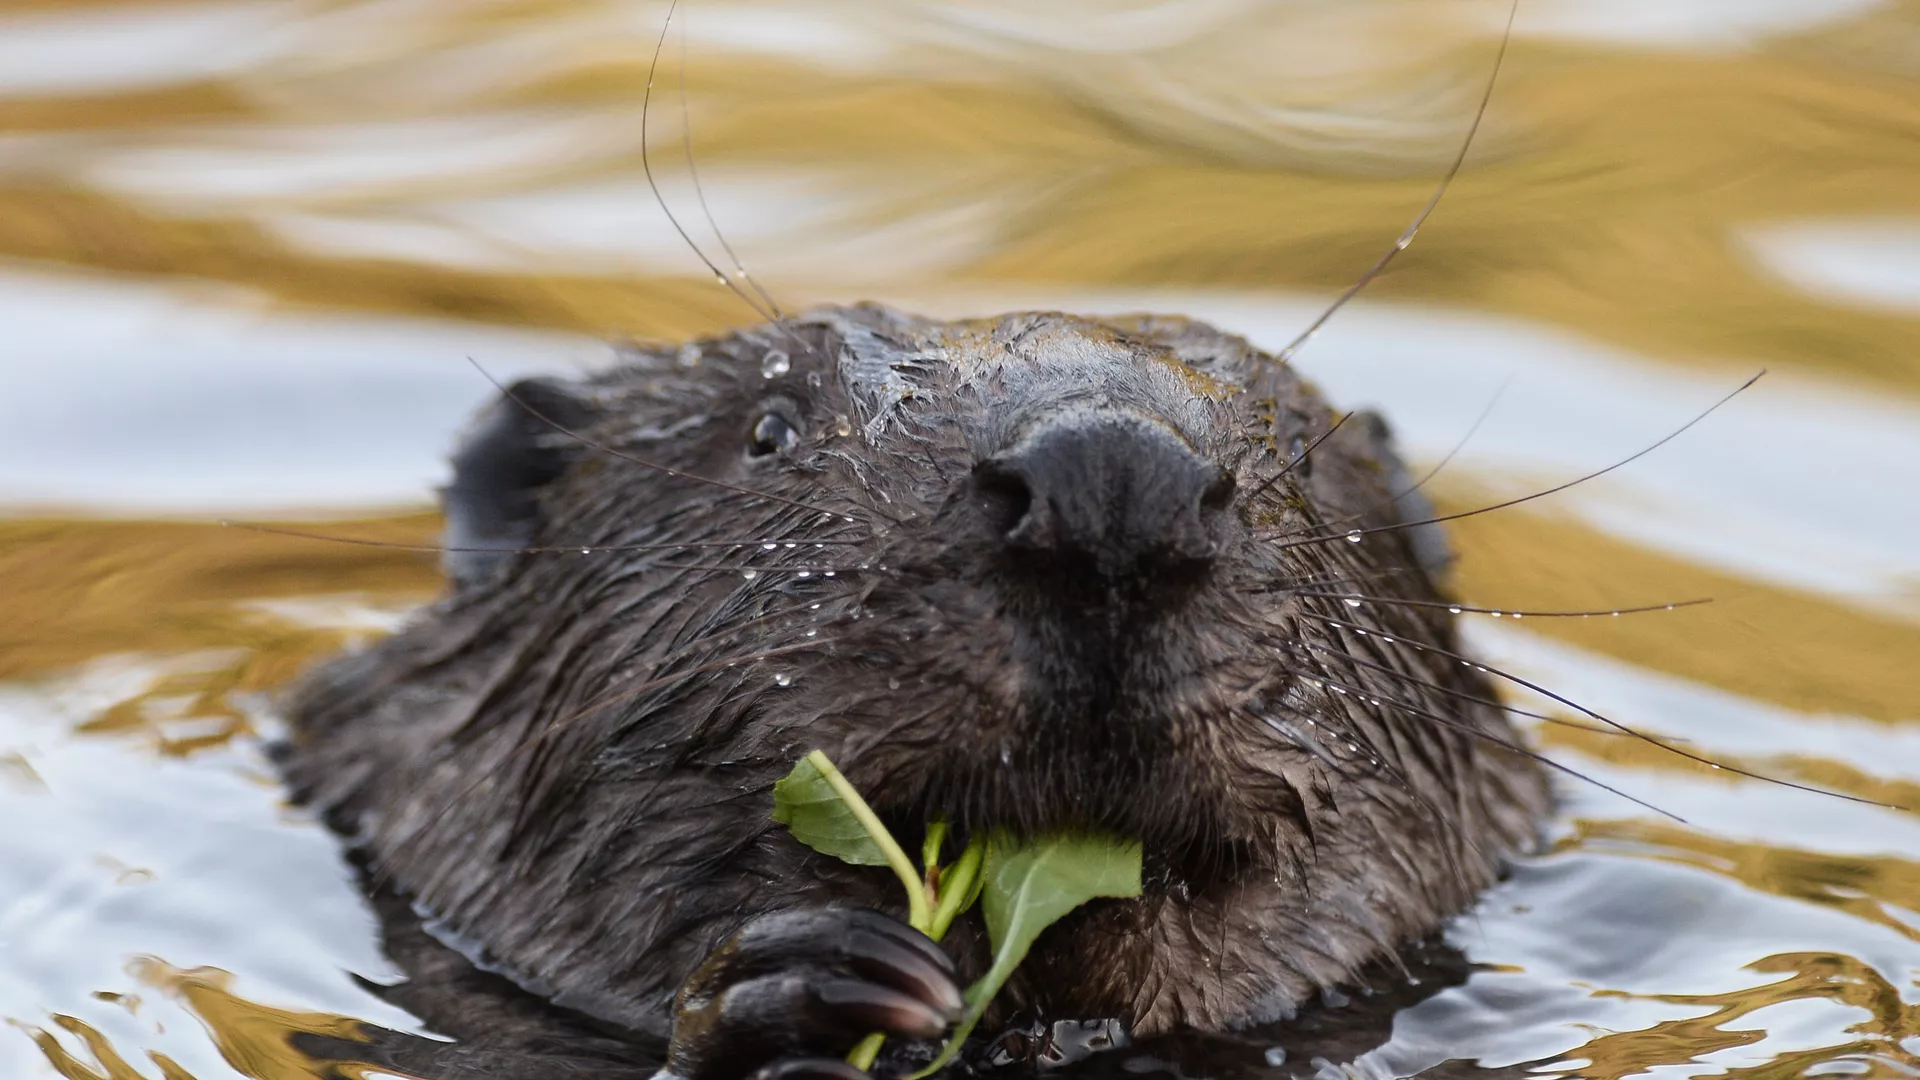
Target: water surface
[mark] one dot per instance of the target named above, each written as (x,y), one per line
(247,249)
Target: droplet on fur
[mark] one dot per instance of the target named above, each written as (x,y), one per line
(842,426)
(749,574)
(1352,601)
(1453,611)
(775,364)
(783,679)
(1354,536)
(893,684)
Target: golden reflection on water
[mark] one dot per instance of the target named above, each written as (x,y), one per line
(1615,191)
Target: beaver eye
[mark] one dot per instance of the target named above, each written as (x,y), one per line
(771,435)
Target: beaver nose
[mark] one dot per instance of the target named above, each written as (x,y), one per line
(1116,487)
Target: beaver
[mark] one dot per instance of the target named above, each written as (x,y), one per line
(1037,572)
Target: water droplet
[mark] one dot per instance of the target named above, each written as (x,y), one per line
(1453,611)
(893,684)
(775,364)
(1495,614)
(829,573)
(1717,765)
(813,607)
(1352,602)
(1006,755)
(1354,536)
(720,278)
(842,426)
(749,574)
(791,546)
(1516,614)
(1276,1055)
(813,633)
(586,551)
(1386,639)
(769,547)
(783,679)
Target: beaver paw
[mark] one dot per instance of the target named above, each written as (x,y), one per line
(793,991)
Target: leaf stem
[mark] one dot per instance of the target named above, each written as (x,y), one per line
(918,916)
(958,887)
(863,1054)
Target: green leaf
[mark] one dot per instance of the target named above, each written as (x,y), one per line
(1028,888)
(810,807)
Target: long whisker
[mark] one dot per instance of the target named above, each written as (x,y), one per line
(1468,729)
(646,166)
(1494,703)
(1457,609)
(700,192)
(1431,473)
(1557,488)
(1406,238)
(560,549)
(1651,740)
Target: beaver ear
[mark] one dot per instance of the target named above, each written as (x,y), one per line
(511,450)
(1428,541)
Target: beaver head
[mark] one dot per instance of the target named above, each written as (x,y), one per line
(1033,572)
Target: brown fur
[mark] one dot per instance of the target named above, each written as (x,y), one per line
(567,761)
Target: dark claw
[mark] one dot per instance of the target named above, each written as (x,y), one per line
(794,988)
(905,968)
(867,1006)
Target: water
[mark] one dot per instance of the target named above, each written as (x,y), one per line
(250,247)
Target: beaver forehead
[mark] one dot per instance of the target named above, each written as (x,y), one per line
(998,375)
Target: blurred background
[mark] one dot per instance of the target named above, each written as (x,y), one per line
(247,247)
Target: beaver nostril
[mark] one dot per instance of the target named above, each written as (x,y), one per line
(1004,495)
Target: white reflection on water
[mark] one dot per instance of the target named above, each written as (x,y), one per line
(125,398)
(120,853)
(1871,263)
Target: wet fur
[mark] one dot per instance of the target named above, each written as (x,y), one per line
(566,763)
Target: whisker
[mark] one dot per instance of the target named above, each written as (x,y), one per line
(700,192)
(1468,729)
(559,549)
(1458,609)
(1304,452)
(1557,488)
(1392,672)
(646,165)
(1651,740)
(1406,238)
(1431,473)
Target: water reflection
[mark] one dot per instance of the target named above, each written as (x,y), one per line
(251,244)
